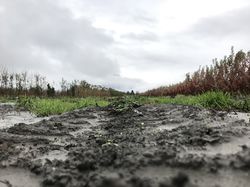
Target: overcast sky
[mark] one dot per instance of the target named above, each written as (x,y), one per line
(125,44)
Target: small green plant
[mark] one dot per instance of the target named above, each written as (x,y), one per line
(122,104)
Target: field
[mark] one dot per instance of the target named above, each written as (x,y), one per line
(210,100)
(124,93)
(133,141)
(194,133)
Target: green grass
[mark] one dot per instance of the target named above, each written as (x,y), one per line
(7,99)
(212,100)
(47,106)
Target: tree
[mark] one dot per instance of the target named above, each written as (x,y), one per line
(50,91)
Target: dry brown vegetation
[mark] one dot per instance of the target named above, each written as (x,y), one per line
(231,74)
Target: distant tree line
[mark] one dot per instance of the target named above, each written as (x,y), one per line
(14,84)
(24,84)
(231,74)
(82,88)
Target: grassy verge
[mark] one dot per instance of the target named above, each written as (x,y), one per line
(7,99)
(211,100)
(47,106)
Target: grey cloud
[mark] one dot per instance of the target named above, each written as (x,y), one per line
(172,58)
(144,18)
(47,37)
(129,11)
(235,22)
(42,36)
(146,36)
(127,83)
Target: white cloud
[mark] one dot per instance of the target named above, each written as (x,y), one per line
(125,44)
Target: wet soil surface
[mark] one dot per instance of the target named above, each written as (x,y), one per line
(146,146)
(10,115)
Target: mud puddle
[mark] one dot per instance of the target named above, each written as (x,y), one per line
(14,177)
(240,116)
(9,116)
(227,178)
(171,126)
(12,118)
(94,147)
(232,147)
(60,155)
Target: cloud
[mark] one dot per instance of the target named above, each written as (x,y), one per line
(121,44)
(235,22)
(45,37)
(145,36)
(128,84)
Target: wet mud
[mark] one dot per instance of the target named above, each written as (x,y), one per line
(11,115)
(145,146)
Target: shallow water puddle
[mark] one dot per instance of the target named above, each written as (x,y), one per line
(232,147)
(10,119)
(52,155)
(15,177)
(10,115)
(168,127)
(227,178)
(171,126)
(241,116)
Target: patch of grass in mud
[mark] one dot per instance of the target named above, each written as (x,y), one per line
(216,100)
(123,104)
(213,100)
(52,106)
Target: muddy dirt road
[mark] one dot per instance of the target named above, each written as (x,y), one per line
(147,146)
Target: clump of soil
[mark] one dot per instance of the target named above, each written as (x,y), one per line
(140,146)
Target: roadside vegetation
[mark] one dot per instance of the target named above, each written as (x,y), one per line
(14,84)
(4,99)
(209,100)
(53,106)
(225,85)
(231,75)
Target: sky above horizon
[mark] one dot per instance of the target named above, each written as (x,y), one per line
(127,45)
